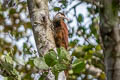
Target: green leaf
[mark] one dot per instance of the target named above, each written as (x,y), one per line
(51,58)
(80,18)
(57,8)
(89,54)
(58,67)
(78,66)
(63,54)
(64,2)
(5,78)
(8,59)
(89,9)
(15,72)
(12,11)
(88,47)
(28,77)
(31,62)
(40,63)
(73,43)
(98,47)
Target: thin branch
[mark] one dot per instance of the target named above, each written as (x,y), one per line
(94,2)
(73,7)
(80,25)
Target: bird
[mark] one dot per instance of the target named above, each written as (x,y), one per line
(60,30)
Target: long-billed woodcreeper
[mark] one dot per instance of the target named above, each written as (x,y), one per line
(61,31)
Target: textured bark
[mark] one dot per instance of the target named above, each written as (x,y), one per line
(110,35)
(41,25)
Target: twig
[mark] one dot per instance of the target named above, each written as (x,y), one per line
(94,2)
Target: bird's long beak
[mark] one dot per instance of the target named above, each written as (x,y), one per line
(66,18)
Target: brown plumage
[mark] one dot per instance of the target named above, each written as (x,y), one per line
(61,31)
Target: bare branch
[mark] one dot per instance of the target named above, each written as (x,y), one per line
(94,2)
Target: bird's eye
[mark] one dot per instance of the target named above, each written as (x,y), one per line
(59,15)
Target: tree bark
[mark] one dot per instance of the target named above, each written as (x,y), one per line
(41,25)
(110,35)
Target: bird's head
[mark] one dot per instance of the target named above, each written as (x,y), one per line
(60,16)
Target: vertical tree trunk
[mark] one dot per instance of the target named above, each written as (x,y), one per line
(41,25)
(110,34)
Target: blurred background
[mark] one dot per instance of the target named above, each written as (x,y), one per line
(17,40)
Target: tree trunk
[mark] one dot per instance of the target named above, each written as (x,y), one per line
(110,35)
(41,25)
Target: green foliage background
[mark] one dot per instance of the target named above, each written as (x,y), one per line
(21,63)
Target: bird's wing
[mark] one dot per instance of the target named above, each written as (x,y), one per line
(65,39)
(65,34)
